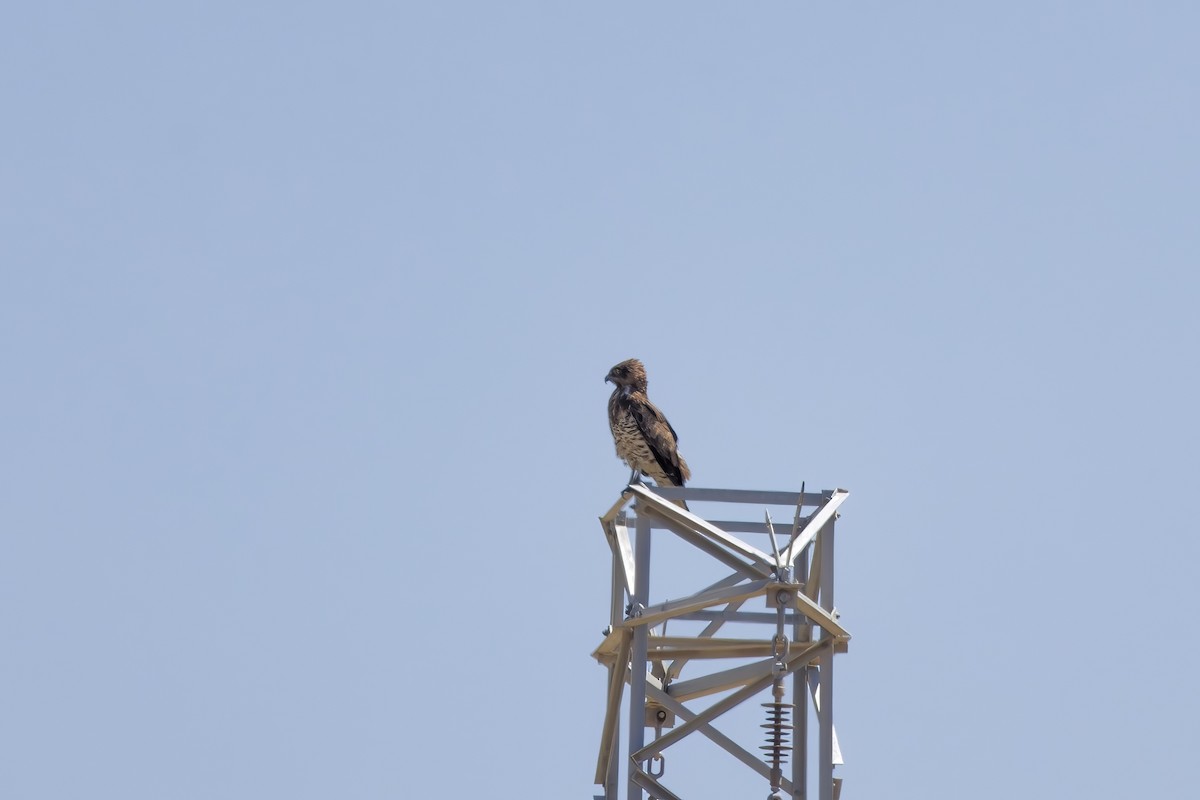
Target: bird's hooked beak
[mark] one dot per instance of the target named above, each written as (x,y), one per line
(608,379)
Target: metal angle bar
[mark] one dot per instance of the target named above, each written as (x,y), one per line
(728,580)
(637,664)
(712,627)
(814,685)
(825,746)
(702,642)
(623,550)
(618,590)
(697,540)
(734,676)
(720,681)
(612,512)
(653,680)
(729,614)
(813,585)
(743,526)
(753,496)
(711,532)
(756,617)
(827,568)
(737,526)
(721,740)
(801,634)
(610,645)
(815,523)
(819,615)
(612,711)
(715,618)
(668,510)
(793,662)
(614,768)
(708,715)
(673,608)
(651,785)
(697,604)
(755,650)
(724,583)
(701,542)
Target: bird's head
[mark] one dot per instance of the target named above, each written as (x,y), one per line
(629,372)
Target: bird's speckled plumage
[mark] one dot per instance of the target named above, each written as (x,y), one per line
(643,438)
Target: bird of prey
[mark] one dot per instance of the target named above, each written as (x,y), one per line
(644,439)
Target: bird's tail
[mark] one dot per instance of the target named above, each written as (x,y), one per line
(672,485)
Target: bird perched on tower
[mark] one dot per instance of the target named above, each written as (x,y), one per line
(644,439)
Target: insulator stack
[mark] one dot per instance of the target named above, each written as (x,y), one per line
(779,733)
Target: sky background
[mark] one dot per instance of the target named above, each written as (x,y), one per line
(304,315)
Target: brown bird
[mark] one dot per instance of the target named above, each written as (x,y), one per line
(644,439)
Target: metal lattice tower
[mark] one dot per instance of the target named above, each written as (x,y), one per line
(784,598)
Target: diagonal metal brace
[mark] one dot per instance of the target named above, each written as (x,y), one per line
(814,525)
(715,597)
(669,511)
(721,740)
(794,662)
(617,674)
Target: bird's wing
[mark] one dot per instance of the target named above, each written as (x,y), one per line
(661,437)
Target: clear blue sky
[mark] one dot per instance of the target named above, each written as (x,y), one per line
(306,310)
